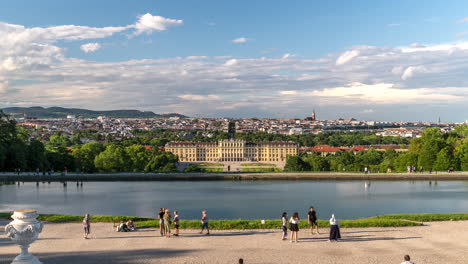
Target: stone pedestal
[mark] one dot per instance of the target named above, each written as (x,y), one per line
(24,230)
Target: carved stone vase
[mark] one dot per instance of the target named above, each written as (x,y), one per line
(24,230)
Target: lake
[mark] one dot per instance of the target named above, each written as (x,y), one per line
(239,199)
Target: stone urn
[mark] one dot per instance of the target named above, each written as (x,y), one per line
(24,230)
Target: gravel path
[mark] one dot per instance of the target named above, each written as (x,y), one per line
(439,242)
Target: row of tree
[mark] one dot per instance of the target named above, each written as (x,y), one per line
(434,151)
(18,152)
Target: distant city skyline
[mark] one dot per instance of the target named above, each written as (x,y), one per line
(371,60)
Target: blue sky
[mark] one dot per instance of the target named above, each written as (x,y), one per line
(288,53)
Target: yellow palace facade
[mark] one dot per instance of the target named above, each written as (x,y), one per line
(232,151)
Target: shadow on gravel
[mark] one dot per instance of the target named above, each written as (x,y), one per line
(104,257)
(362,238)
(366,231)
(227,234)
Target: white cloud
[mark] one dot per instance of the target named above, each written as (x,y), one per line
(411,71)
(385,93)
(463,20)
(196,57)
(3,86)
(288,92)
(90,47)
(227,86)
(347,56)
(288,55)
(195,97)
(231,62)
(240,40)
(148,23)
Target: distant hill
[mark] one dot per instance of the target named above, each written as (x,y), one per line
(60,112)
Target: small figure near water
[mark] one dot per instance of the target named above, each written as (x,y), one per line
(204,222)
(284,221)
(294,227)
(176,223)
(334,229)
(167,223)
(161,221)
(86,226)
(312,219)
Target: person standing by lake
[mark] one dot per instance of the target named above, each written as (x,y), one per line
(167,223)
(284,221)
(161,221)
(294,227)
(334,229)
(86,226)
(312,219)
(204,222)
(176,223)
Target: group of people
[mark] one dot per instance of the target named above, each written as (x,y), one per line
(126,226)
(165,222)
(312,221)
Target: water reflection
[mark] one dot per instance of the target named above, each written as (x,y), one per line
(240,199)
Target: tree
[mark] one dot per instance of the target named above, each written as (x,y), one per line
(113,159)
(404,160)
(444,159)
(85,154)
(162,162)
(317,162)
(295,163)
(138,156)
(432,141)
(58,143)
(461,155)
(36,155)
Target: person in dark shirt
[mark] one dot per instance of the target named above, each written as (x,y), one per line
(312,219)
(161,221)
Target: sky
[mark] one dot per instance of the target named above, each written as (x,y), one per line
(372,60)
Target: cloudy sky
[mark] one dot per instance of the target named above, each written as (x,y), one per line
(372,60)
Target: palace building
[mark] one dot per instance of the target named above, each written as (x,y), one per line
(232,151)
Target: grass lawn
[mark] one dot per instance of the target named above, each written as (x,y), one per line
(257,164)
(397,220)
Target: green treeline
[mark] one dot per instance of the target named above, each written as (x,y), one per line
(434,151)
(18,151)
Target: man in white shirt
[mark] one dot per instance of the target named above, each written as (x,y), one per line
(407,260)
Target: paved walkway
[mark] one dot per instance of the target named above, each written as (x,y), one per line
(439,242)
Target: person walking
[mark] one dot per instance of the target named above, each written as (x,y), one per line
(312,219)
(294,227)
(407,260)
(284,221)
(167,223)
(176,223)
(334,229)
(86,226)
(161,221)
(204,222)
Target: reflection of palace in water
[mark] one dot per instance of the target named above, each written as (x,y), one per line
(232,151)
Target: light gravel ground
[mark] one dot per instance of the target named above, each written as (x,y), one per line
(438,242)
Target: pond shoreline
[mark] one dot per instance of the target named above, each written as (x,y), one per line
(232,176)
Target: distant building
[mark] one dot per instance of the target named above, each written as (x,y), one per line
(232,129)
(313,116)
(232,150)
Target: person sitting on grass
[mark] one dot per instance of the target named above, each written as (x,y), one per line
(122,227)
(131,225)
(407,260)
